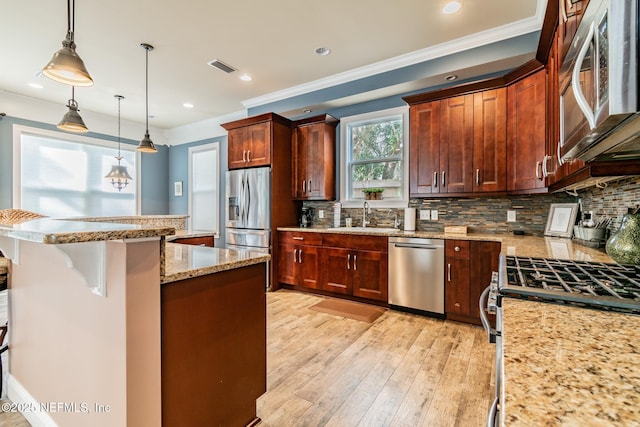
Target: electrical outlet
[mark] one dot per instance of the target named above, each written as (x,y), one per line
(511,216)
(434,215)
(321,213)
(425,215)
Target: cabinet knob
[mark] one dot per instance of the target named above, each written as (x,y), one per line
(457,249)
(457,304)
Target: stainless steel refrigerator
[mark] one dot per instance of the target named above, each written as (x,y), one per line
(248,201)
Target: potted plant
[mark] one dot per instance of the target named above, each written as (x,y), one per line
(373,193)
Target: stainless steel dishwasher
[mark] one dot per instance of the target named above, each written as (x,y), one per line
(416,275)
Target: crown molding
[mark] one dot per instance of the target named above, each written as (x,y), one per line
(513,29)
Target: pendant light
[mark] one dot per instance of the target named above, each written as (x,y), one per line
(71,121)
(146,145)
(66,66)
(119,175)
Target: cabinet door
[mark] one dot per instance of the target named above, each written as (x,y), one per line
(370,275)
(456,145)
(526,133)
(300,162)
(484,259)
(337,270)
(259,144)
(237,154)
(457,279)
(490,141)
(570,16)
(309,267)
(287,264)
(424,154)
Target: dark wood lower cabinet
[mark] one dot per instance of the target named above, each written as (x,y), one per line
(299,265)
(214,348)
(469,265)
(370,275)
(197,241)
(337,275)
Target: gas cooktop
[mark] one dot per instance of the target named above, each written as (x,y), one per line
(596,285)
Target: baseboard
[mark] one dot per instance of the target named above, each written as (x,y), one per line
(23,399)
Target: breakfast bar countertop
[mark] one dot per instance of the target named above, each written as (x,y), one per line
(569,366)
(525,246)
(58,231)
(187,261)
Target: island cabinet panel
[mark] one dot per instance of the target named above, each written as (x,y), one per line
(490,141)
(314,159)
(424,150)
(214,348)
(456,145)
(469,265)
(197,241)
(526,133)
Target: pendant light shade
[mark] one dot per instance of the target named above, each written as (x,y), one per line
(146,145)
(71,121)
(65,65)
(119,175)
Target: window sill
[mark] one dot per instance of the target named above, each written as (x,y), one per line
(375,204)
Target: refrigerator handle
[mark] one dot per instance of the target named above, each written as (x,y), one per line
(248,199)
(243,208)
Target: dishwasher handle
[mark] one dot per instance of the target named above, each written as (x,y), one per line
(414,246)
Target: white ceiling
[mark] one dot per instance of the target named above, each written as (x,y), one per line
(273,41)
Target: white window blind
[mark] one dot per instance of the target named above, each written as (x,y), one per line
(65,178)
(204,171)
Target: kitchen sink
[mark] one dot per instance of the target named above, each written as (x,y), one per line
(367,229)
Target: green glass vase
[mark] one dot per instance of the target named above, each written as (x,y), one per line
(624,245)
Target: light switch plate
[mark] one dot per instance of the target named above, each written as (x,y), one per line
(434,215)
(425,215)
(321,213)
(511,216)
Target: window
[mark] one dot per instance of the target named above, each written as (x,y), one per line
(374,153)
(204,166)
(62,175)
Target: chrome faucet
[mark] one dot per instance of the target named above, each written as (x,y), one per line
(365,208)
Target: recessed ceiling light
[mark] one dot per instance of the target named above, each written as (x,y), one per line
(246,77)
(306,111)
(35,85)
(187,105)
(323,51)
(451,7)
(451,77)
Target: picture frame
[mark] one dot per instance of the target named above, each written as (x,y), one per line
(561,219)
(177,188)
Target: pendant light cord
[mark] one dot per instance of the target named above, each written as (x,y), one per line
(147,87)
(119,157)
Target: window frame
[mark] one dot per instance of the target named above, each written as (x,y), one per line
(346,161)
(212,146)
(19,130)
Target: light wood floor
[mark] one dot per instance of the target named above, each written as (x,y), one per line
(401,370)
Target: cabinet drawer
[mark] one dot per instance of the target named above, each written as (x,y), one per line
(458,249)
(363,243)
(300,237)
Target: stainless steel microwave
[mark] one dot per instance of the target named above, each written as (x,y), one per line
(599,114)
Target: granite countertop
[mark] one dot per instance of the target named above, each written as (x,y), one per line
(530,246)
(56,231)
(569,366)
(186,261)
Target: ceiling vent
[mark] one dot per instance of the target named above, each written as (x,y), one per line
(216,63)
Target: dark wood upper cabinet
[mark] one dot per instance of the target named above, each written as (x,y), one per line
(490,141)
(314,162)
(456,145)
(424,149)
(570,15)
(526,133)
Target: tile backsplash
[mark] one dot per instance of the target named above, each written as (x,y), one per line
(479,214)
(489,214)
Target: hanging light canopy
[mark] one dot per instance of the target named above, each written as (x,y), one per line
(71,121)
(146,145)
(118,175)
(66,66)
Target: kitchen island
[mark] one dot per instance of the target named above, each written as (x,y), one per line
(85,319)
